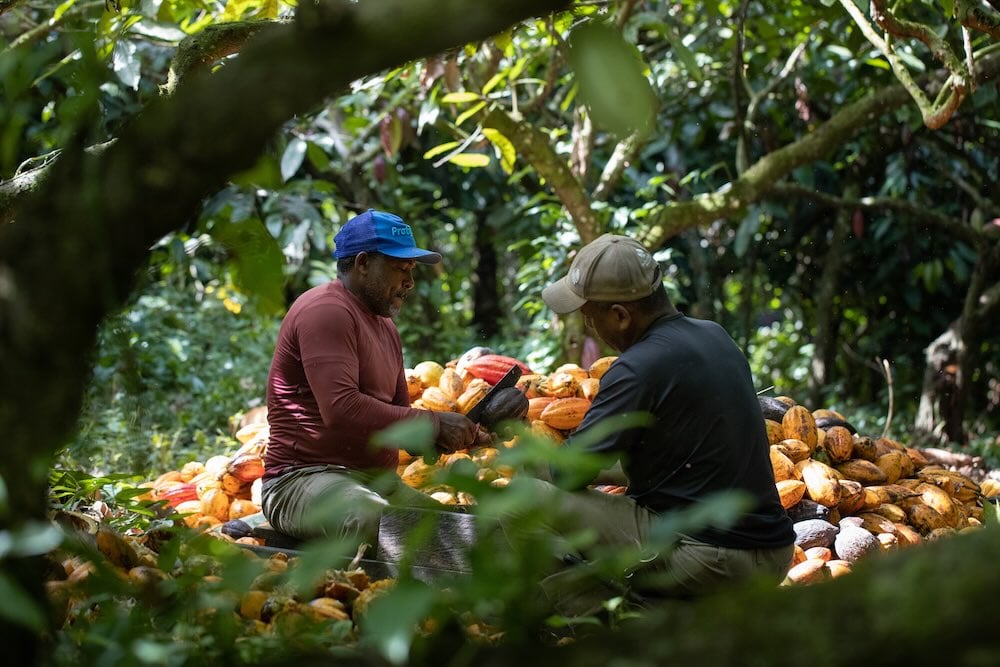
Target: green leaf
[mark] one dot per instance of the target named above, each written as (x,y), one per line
(494,81)
(505,149)
(291,159)
(265,174)
(745,234)
(468,113)
(684,54)
(441,148)
(949,7)
(62,9)
(460,98)
(19,607)
(612,84)
(878,63)
(471,160)
(414,435)
(258,261)
(235,9)
(317,156)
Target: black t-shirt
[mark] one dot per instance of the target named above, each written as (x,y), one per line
(708,433)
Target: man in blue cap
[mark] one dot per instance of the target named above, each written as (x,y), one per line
(336,379)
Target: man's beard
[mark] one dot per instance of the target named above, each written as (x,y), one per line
(374,297)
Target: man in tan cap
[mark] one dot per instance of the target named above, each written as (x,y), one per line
(704,431)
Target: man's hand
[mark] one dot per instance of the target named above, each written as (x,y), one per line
(457,432)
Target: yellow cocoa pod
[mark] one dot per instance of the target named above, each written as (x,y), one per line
(414,386)
(799,423)
(417,473)
(862,471)
(790,492)
(907,536)
(822,553)
(822,485)
(838,443)
(925,518)
(240,508)
(192,469)
(215,503)
(864,448)
(838,567)
(589,388)
(560,385)
(942,503)
(429,373)
(472,394)
(566,413)
(782,466)
(893,513)
(601,366)
(892,464)
(794,449)
(575,370)
(537,405)
(990,487)
(852,497)
(451,383)
(539,427)
(251,603)
(775,433)
(435,399)
(809,571)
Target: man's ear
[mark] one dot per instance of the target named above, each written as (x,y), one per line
(622,316)
(363,262)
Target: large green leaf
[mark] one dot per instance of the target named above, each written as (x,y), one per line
(612,83)
(257,259)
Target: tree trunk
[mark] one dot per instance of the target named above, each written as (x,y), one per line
(486,311)
(827,313)
(939,415)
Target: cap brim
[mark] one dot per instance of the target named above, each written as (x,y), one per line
(419,254)
(561,299)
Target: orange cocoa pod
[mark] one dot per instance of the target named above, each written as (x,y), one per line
(601,366)
(241,508)
(537,404)
(839,443)
(474,393)
(541,428)
(775,433)
(575,370)
(246,467)
(528,384)
(589,388)
(215,503)
(414,387)
(435,399)
(167,477)
(192,469)
(799,423)
(790,491)
(230,484)
(560,385)
(451,383)
(565,414)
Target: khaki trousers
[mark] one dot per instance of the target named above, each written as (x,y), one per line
(332,501)
(690,569)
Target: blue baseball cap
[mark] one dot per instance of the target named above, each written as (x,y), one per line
(378,231)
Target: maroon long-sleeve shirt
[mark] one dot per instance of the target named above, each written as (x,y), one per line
(336,379)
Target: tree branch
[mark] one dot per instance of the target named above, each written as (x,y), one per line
(534,145)
(213,43)
(733,197)
(974,16)
(911,213)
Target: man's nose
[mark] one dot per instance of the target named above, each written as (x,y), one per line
(408,280)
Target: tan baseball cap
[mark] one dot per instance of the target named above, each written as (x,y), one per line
(612,268)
